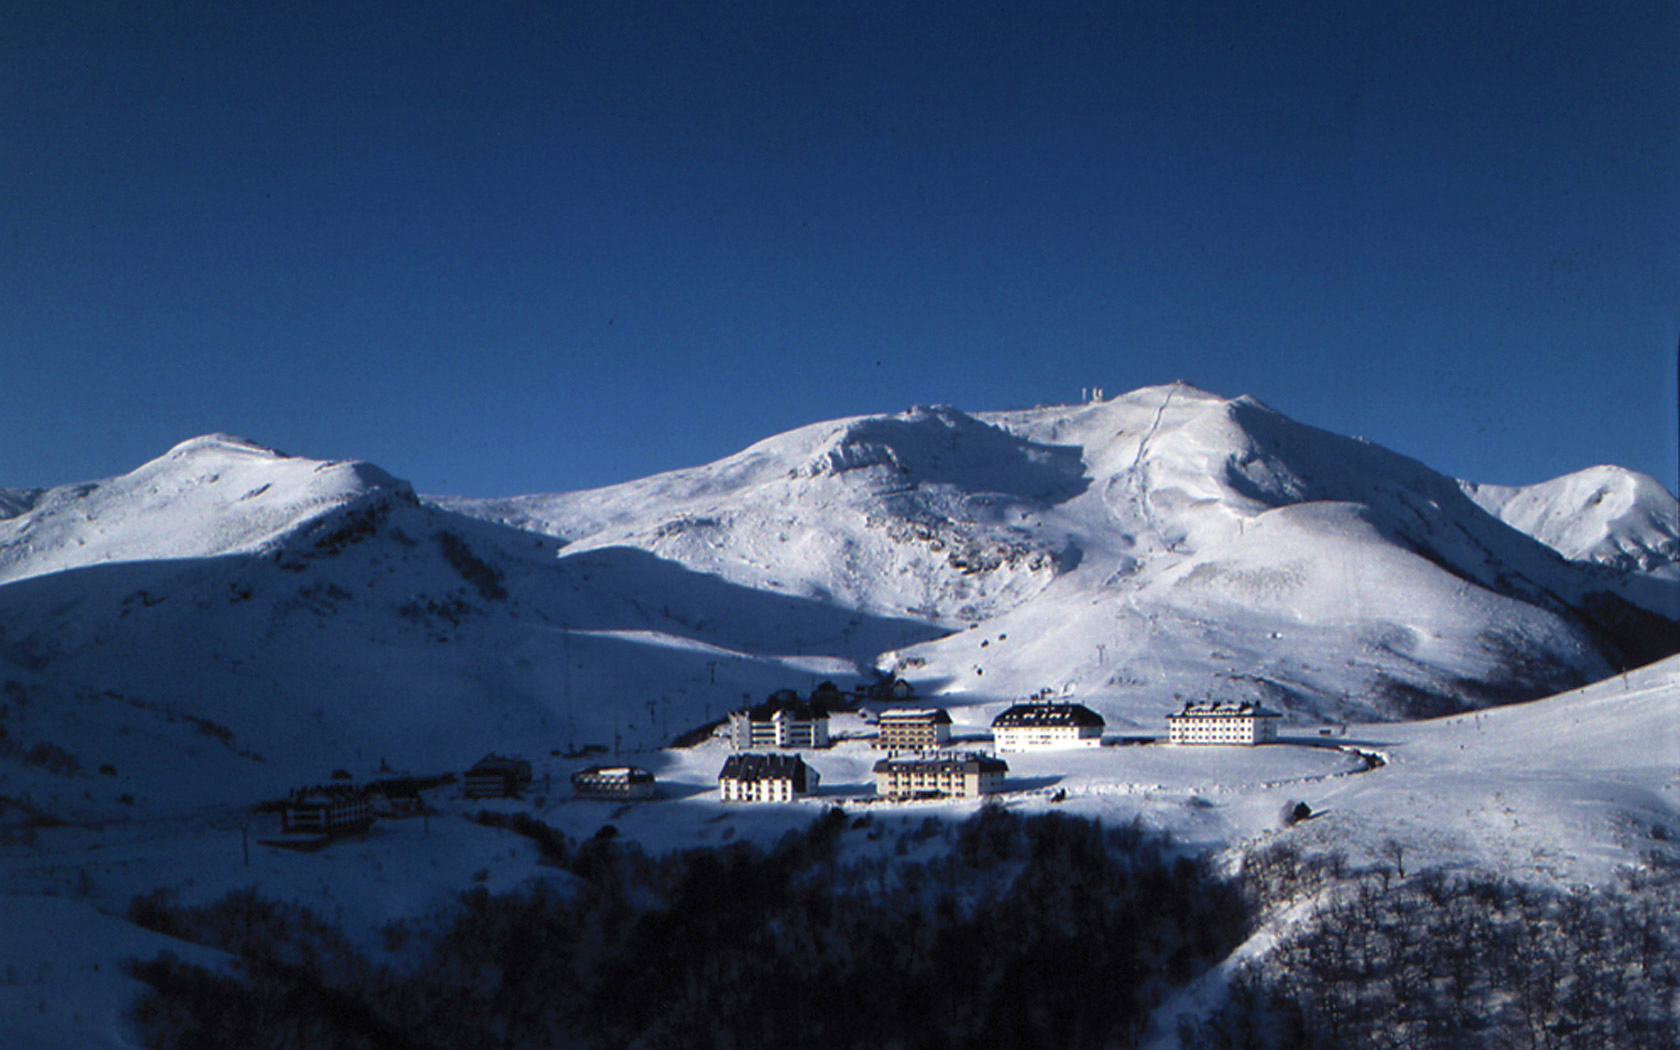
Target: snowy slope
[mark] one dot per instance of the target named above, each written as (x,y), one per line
(1567,790)
(208,496)
(1162,545)
(226,623)
(1572,787)
(274,618)
(922,514)
(1613,517)
(228,612)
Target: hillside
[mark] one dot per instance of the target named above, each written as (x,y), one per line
(1607,515)
(226,623)
(1165,544)
(290,614)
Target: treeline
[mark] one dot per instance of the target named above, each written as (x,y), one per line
(998,931)
(1467,961)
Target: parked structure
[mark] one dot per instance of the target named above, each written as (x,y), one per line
(333,809)
(913,729)
(619,783)
(765,778)
(1036,724)
(782,721)
(1223,722)
(497,776)
(939,775)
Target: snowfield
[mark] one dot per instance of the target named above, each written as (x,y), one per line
(1567,790)
(209,496)
(1606,515)
(227,623)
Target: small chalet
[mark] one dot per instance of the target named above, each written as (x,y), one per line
(614,783)
(765,778)
(1035,724)
(782,721)
(939,775)
(496,776)
(887,689)
(913,729)
(334,809)
(1223,722)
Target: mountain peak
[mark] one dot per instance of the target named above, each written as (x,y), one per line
(943,446)
(222,443)
(1604,514)
(209,495)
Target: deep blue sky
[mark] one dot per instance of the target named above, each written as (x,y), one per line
(502,248)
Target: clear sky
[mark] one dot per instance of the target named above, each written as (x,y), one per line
(518,247)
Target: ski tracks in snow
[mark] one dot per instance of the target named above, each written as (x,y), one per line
(1134,481)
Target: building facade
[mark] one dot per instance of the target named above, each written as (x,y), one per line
(496,776)
(618,783)
(765,778)
(1218,722)
(331,810)
(782,721)
(939,775)
(1035,724)
(913,729)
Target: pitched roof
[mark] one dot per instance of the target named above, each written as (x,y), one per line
(935,715)
(944,762)
(1225,709)
(501,764)
(633,774)
(750,766)
(1034,713)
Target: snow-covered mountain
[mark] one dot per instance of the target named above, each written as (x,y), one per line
(1614,517)
(209,496)
(242,608)
(1165,544)
(226,623)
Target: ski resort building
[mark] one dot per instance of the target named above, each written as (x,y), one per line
(782,721)
(913,729)
(496,776)
(331,810)
(1219,722)
(617,783)
(939,775)
(1036,724)
(765,778)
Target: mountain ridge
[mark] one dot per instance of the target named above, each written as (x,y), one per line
(1165,545)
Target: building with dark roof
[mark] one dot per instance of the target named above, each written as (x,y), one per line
(1035,724)
(772,777)
(1223,722)
(496,776)
(618,783)
(939,775)
(332,809)
(913,729)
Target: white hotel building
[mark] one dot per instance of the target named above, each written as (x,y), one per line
(1033,724)
(1222,722)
